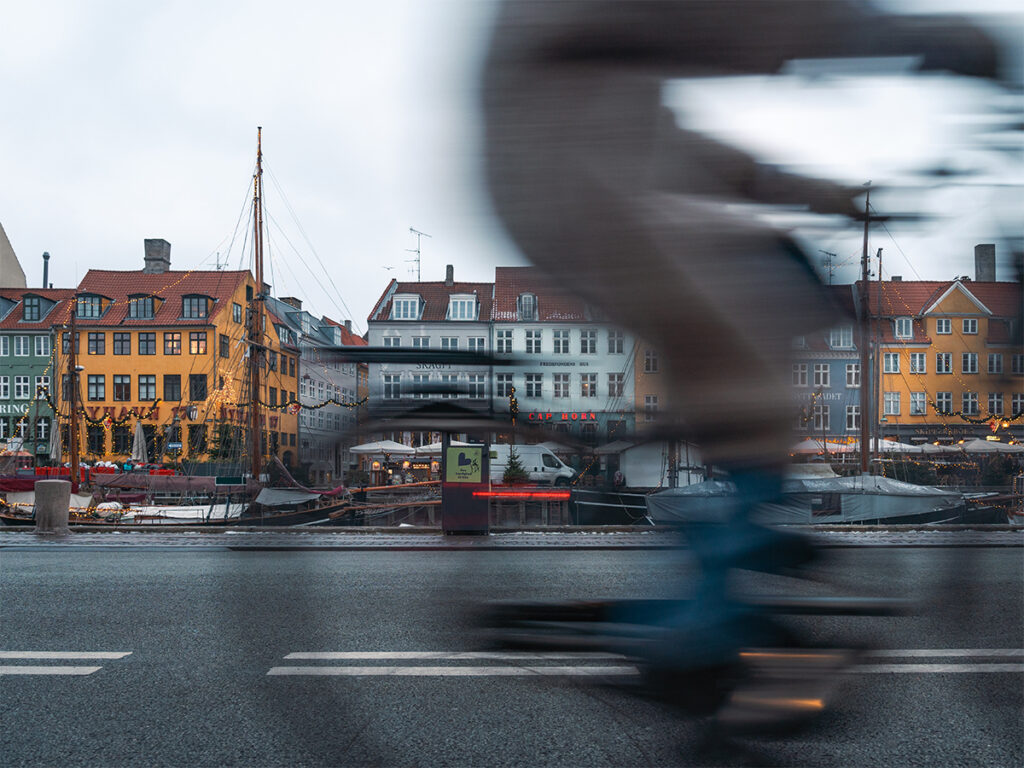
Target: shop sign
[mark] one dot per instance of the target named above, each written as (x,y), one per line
(574,416)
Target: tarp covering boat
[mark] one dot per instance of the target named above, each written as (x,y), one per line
(861,499)
(284,497)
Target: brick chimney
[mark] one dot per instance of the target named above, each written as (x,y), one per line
(348,326)
(985,262)
(449,275)
(292,301)
(158,256)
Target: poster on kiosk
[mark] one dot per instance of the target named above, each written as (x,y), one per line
(465,471)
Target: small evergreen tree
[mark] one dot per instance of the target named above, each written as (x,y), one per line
(515,472)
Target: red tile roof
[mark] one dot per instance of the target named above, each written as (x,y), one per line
(170,286)
(913,297)
(348,338)
(553,304)
(56,316)
(435,299)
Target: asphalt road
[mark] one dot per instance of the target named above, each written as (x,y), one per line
(209,677)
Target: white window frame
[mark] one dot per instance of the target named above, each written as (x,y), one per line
(969,325)
(891,402)
(449,342)
(405,308)
(943,363)
(503,384)
(918,404)
(891,362)
(42,345)
(533,341)
(5,346)
(22,346)
(534,385)
(995,403)
(852,418)
(1017,365)
(43,381)
(995,362)
(616,384)
(650,361)
(841,337)
(560,340)
(853,376)
(392,342)
(420,381)
(903,327)
(526,307)
(475,384)
(799,374)
(616,340)
(561,385)
(822,415)
(943,326)
(588,385)
(650,407)
(503,341)
(588,341)
(476,344)
(450,381)
(969,403)
(391,386)
(822,375)
(918,362)
(943,402)
(1017,402)
(421,342)
(461,308)
(5,388)
(969,362)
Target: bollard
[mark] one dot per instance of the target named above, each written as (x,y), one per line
(53,498)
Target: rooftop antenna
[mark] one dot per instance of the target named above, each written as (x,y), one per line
(416,250)
(829,263)
(217,262)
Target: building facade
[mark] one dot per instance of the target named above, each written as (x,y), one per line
(27,322)
(579,382)
(827,377)
(571,373)
(169,349)
(448,316)
(951,360)
(328,389)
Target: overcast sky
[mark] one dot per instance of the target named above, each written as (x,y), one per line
(126,120)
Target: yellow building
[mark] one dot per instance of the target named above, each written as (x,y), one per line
(951,364)
(167,349)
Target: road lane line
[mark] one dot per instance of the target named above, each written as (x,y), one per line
(391,671)
(64,654)
(444,655)
(944,652)
(935,668)
(51,670)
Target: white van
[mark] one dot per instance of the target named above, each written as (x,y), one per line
(541,465)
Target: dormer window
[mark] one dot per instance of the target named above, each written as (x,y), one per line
(904,328)
(141,307)
(462,308)
(841,337)
(89,306)
(31,309)
(527,306)
(405,308)
(195,307)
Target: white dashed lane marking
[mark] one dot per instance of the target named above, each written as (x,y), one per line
(529,664)
(54,669)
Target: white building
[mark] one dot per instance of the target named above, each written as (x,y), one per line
(579,378)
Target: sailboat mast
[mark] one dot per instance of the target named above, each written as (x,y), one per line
(865,354)
(256,316)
